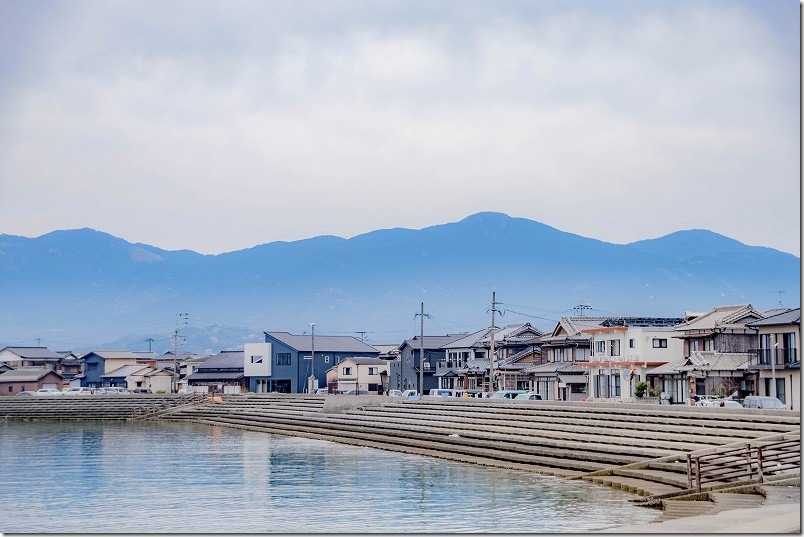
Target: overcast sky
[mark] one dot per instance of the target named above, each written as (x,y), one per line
(216,126)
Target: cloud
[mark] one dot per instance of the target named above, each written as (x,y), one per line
(216,126)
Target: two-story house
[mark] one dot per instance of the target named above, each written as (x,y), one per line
(624,349)
(778,357)
(99,363)
(289,363)
(717,348)
(30,357)
(358,376)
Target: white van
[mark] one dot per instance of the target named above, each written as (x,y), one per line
(761,401)
(441,392)
(507,394)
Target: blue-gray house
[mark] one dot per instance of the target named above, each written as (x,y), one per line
(282,364)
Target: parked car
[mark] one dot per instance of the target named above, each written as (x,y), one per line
(76,390)
(441,392)
(395,393)
(763,401)
(507,394)
(141,390)
(410,393)
(116,390)
(27,394)
(530,396)
(48,391)
(720,403)
(321,391)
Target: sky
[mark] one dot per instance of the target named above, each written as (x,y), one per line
(219,125)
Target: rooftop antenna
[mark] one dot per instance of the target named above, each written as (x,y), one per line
(580,309)
(780,297)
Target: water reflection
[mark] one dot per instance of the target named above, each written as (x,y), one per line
(154,477)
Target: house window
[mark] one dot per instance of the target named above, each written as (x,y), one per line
(372,370)
(283,358)
(347,371)
(600,346)
(662,343)
(11,388)
(581,354)
(709,344)
(92,366)
(480,354)
(614,345)
(256,359)
(631,343)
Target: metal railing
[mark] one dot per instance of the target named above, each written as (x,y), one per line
(752,463)
(163,405)
(781,357)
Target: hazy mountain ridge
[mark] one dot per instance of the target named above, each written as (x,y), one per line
(85,278)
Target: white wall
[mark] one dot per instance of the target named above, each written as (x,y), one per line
(253,352)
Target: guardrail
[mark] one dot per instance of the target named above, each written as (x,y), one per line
(753,463)
(164,405)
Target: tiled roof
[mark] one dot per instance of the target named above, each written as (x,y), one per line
(223,360)
(322,343)
(722,317)
(432,342)
(359,360)
(792,316)
(111,355)
(216,375)
(125,371)
(33,353)
(24,374)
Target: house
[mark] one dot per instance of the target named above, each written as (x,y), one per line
(222,372)
(29,379)
(157,380)
(70,366)
(624,349)
(405,369)
(467,365)
(717,347)
(358,375)
(30,357)
(99,363)
(120,376)
(559,381)
(778,357)
(288,363)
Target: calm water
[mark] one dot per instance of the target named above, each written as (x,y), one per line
(144,477)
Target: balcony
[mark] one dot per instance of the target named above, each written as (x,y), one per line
(781,358)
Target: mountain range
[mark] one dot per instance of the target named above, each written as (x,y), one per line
(83,289)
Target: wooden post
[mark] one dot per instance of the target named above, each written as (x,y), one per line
(698,472)
(759,464)
(689,471)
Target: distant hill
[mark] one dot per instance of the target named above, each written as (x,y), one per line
(85,288)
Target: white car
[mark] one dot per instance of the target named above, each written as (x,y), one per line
(530,396)
(410,393)
(116,390)
(78,390)
(48,391)
(395,393)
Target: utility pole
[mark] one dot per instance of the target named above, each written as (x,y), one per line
(179,318)
(421,351)
(312,362)
(149,341)
(491,352)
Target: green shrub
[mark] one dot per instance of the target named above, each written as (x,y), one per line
(640,389)
(655,391)
(160,391)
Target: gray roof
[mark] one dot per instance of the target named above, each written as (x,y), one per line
(792,316)
(432,342)
(125,371)
(24,374)
(322,343)
(39,353)
(734,317)
(360,360)
(216,375)
(109,355)
(223,360)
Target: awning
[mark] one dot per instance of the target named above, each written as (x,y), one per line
(573,379)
